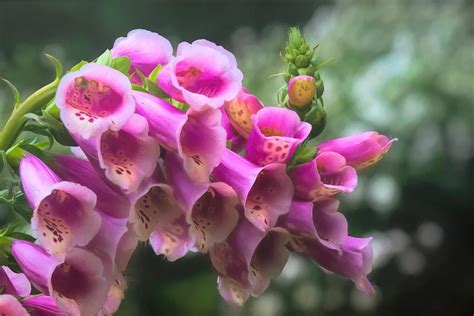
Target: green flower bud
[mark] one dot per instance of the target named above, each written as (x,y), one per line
(316,116)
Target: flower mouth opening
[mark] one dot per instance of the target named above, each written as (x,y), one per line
(199,81)
(92,99)
(270,131)
(118,150)
(66,275)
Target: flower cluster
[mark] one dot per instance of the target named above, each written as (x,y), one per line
(176,152)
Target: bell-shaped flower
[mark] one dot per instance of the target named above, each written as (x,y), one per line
(198,137)
(43,305)
(94,99)
(64,214)
(240,111)
(202,75)
(76,283)
(325,175)
(235,141)
(114,296)
(125,157)
(153,204)
(360,150)
(320,232)
(275,134)
(210,207)
(265,192)
(145,49)
(10,306)
(81,171)
(14,283)
(247,260)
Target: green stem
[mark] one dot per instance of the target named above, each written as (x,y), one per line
(17,120)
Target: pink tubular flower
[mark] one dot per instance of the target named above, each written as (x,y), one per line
(325,175)
(64,214)
(265,192)
(275,135)
(76,283)
(247,260)
(82,172)
(145,49)
(43,305)
(202,74)
(10,306)
(14,283)
(198,137)
(360,150)
(319,231)
(94,99)
(125,157)
(114,296)
(236,141)
(210,208)
(240,110)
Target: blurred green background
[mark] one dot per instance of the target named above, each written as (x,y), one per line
(404,68)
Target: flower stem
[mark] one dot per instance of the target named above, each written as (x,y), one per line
(17,119)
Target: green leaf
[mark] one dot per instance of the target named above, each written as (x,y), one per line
(154,89)
(78,66)
(105,58)
(137,87)
(15,92)
(57,66)
(37,150)
(21,207)
(22,236)
(2,160)
(57,130)
(154,74)
(121,64)
(304,153)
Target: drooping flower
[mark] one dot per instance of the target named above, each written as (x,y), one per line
(301,91)
(125,157)
(202,75)
(360,150)
(275,135)
(265,192)
(153,204)
(240,110)
(145,49)
(234,139)
(325,175)
(114,296)
(76,283)
(43,305)
(64,214)
(210,207)
(14,283)
(94,99)
(81,171)
(320,232)
(10,306)
(247,260)
(198,137)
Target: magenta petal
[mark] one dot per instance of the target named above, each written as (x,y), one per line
(125,248)
(14,283)
(299,220)
(10,306)
(237,142)
(265,192)
(240,110)
(94,99)
(198,137)
(330,224)
(360,150)
(114,296)
(172,240)
(202,75)
(43,305)
(275,135)
(145,49)
(82,172)
(210,208)
(36,179)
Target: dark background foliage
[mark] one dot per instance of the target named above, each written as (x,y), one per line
(405,68)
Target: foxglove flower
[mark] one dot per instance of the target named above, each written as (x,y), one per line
(114,296)
(76,283)
(301,91)
(360,150)
(10,306)
(198,137)
(43,305)
(202,75)
(275,135)
(94,99)
(14,283)
(210,208)
(64,214)
(248,260)
(240,110)
(125,248)
(234,139)
(125,157)
(325,175)
(153,204)
(145,49)
(320,232)
(81,171)
(265,192)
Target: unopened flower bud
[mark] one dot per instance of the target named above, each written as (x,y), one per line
(316,116)
(301,91)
